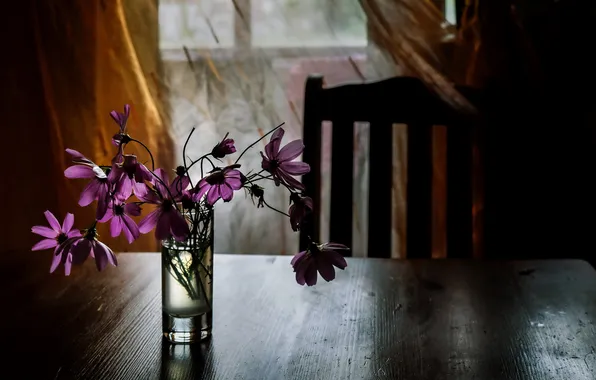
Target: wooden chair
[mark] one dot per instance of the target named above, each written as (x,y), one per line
(400,100)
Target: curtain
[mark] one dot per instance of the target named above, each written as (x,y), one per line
(68,66)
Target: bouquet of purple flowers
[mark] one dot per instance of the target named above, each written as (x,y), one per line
(180,207)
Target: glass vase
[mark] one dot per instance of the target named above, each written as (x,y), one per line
(187,281)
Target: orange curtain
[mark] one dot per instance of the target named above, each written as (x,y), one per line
(71,64)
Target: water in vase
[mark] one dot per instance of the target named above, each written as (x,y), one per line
(187,288)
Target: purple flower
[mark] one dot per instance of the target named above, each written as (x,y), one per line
(279,162)
(166,219)
(300,207)
(130,176)
(56,234)
(118,212)
(97,189)
(58,237)
(63,256)
(88,245)
(226,146)
(121,119)
(180,183)
(320,258)
(221,183)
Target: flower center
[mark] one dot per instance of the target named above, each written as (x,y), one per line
(61,238)
(217,178)
(273,164)
(167,204)
(118,210)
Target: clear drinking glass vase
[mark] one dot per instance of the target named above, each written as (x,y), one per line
(187,281)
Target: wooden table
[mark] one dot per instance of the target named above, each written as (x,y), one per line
(380,319)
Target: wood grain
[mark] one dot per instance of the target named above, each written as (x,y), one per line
(380,319)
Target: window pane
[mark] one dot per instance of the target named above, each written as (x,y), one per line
(196,24)
(287,23)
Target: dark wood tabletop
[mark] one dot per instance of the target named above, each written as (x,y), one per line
(380,319)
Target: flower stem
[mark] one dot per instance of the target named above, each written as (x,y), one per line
(184,155)
(274,209)
(197,160)
(253,144)
(148,151)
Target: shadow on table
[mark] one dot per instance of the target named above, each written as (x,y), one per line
(183,361)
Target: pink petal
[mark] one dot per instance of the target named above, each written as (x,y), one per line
(335,258)
(116,116)
(226,192)
(150,197)
(79,171)
(150,221)
(179,185)
(124,186)
(290,151)
(311,275)
(334,246)
(272,148)
(56,259)
(143,174)
(161,174)
(81,250)
(232,173)
(295,168)
(297,257)
(178,226)
(101,256)
(308,203)
(102,201)
(131,230)
(300,272)
(115,174)
(213,195)
(116,226)
(45,244)
(265,163)
(107,216)
(162,231)
(289,180)
(52,221)
(89,193)
(203,188)
(234,183)
(111,256)
(67,263)
(73,233)
(68,222)
(325,268)
(132,209)
(139,189)
(75,154)
(44,231)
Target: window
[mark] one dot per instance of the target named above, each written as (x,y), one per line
(197,24)
(287,23)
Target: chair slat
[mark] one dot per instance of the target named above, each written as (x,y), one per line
(342,177)
(459,192)
(419,194)
(380,195)
(312,138)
